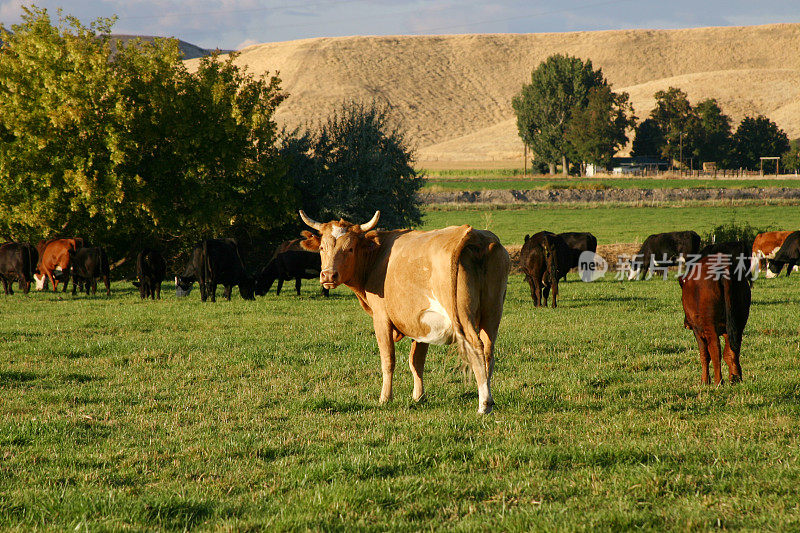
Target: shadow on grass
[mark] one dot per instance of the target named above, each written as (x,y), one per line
(12,378)
(329,405)
(177,514)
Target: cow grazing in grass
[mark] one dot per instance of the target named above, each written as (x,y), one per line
(151,269)
(54,257)
(289,262)
(216,262)
(86,265)
(664,249)
(577,243)
(716,301)
(544,258)
(17,263)
(436,287)
(788,254)
(765,246)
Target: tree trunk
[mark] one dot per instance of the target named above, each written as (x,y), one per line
(552,168)
(564,166)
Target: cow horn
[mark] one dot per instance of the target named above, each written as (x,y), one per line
(372,223)
(310,221)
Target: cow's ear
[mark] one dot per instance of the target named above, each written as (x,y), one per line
(372,240)
(527,238)
(311,242)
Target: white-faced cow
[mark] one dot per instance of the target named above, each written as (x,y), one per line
(436,287)
(789,255)
(765,246)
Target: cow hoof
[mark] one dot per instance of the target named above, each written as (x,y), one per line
(485,409)
(421,399)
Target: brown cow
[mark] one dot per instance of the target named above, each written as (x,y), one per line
(436,287)
(54,261)
(716,301)
(765,246)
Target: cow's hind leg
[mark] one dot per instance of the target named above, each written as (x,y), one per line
(297,285)
(416,361)
(715,353)
(279,287)
(384,336)
(107,283)
(732,360)
(702,346)
(6,286)
(156,295)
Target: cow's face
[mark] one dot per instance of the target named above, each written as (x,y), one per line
(340,244)
(773,269)
(41,280)
(183,285)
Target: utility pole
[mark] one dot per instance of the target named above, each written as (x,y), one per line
(681,152)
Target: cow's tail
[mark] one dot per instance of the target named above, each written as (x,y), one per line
(206,264)
(731,318)
(552,263)
(104,266)
(26,275)
(466,349)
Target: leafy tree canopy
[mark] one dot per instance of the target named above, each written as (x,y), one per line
(559,86)
(598,130)
(354,164)
(758,137)
(127,147)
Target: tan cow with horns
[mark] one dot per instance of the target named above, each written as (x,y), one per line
(436,287)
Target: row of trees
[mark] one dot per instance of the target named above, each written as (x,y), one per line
(121,144)
(568,113)
(679,131)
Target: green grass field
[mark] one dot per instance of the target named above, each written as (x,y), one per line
(519,183)
(612,224)
(121,414)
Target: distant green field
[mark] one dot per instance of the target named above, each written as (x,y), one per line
(612,224)
(482,183)
(117,414)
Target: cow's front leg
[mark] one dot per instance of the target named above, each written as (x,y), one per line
(416,360)
(383,334)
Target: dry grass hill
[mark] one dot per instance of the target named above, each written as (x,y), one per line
(451,94)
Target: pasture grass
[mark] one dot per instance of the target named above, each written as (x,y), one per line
(489,182)
(171,415)
(612,224)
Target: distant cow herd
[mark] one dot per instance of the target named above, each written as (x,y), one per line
(435,287)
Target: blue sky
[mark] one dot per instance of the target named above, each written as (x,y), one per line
(237,23)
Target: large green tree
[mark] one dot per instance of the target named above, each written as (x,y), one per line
(121,144)
(758,137)
(648,140)
(355,163)
(559,86)
(712,137)
(598,130)
(677,121)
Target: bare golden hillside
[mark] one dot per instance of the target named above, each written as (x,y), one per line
(452,94)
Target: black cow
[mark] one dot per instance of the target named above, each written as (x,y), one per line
(577,242)
(17,263)
(543,258)
(86,265)
(664,249)
(288,265)
(216,262)
(788,254)
(151,269)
